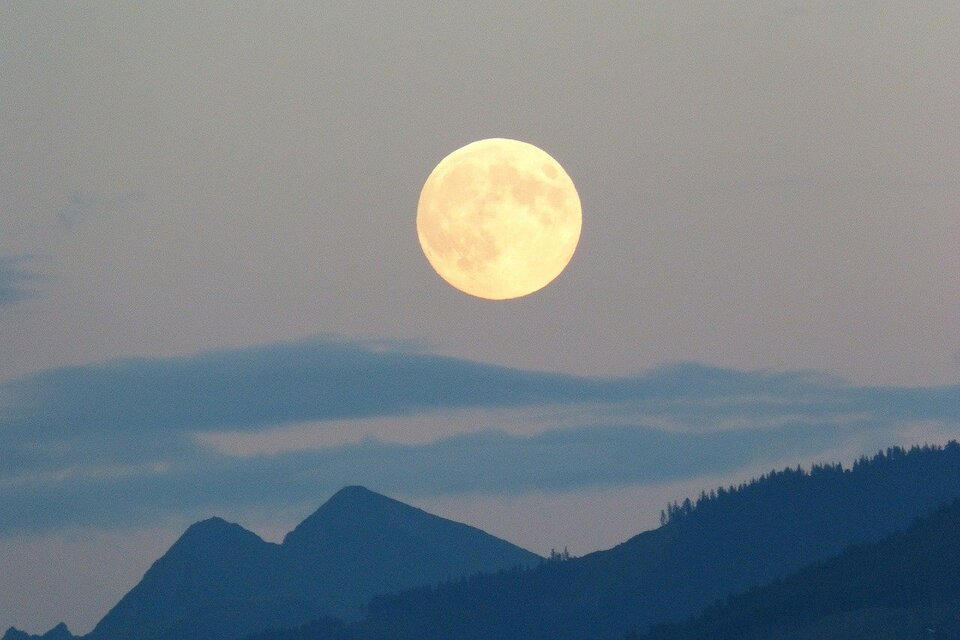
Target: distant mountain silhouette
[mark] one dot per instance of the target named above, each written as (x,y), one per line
(59,632)
(906,586)
(220,581)
(725,543)
(361,542)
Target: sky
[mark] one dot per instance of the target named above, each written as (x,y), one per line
(213,300)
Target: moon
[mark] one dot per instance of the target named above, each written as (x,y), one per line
(499,219)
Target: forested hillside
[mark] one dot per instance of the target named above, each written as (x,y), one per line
(724,543)
(906,586)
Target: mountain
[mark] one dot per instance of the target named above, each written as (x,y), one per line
(220,581)
(361,543)
(59,632)
(906,586)
(726,542)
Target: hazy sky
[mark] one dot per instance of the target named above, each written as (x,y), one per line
(212,297)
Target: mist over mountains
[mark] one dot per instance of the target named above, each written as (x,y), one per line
(215,300)
(366,567)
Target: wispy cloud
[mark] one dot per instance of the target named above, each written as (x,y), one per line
(323,379)
(16,281)
(82,206)
(126,441)
(488,462)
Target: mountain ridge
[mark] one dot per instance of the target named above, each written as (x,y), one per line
(724,544)
(59,632)
(221,581)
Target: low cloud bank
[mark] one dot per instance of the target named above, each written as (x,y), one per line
(115,443)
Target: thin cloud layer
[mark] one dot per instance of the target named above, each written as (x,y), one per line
(120,442)
(16,282)
(81,206)
(492,462)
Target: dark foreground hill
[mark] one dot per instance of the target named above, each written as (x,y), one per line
(220,581)
(59,632)
(726,543)
(904,587)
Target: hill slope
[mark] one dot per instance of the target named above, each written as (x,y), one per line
(220,581)
(726,543)
(906,586)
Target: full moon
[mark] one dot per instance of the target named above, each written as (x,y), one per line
(499,219)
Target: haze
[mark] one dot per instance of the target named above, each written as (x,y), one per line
(224,198)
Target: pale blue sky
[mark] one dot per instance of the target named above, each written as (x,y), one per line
(210,283)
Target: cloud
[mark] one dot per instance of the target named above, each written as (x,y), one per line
(129,440)
(16,281)
(81,206)
(492,462)
(77,208)
(275,384)
(323,379)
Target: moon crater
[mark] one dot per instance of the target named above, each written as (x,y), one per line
(499,219)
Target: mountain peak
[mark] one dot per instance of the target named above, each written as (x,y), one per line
(59,632)
(358,497)
(213,537)
(215,528)
(16,634)
(354,493)
(220,581)
(349,509)
(211,524)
